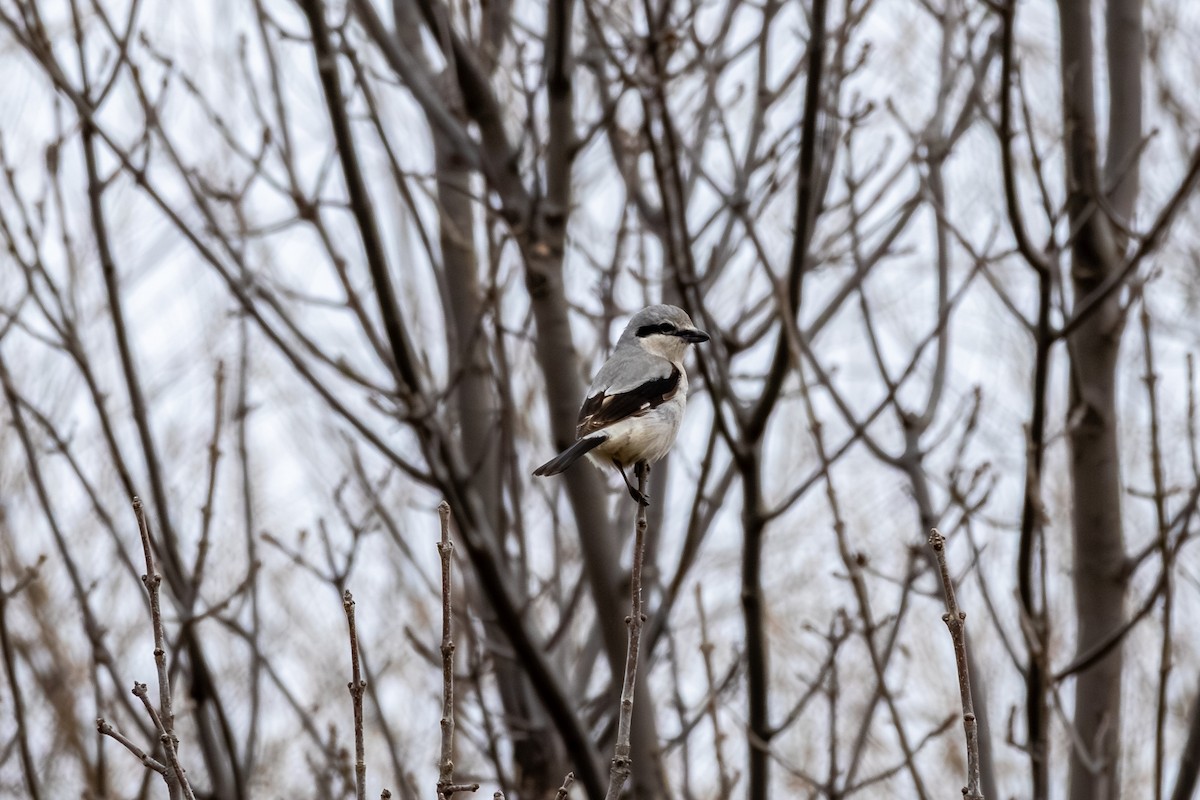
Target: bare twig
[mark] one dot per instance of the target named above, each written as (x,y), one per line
(164,718)
(561,794)
(446,787)
(148,761)
(356,687)
(214,457)
(955,620)
(621,761)
(706,648)
(1165,551)
(173,774)
(1036,258)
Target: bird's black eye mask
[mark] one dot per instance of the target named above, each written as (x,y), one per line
(649,330)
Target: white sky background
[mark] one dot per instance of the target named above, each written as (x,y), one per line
(184,323)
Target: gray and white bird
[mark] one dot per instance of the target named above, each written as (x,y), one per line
(636,401)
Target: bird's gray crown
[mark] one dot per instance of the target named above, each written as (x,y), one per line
(660,318)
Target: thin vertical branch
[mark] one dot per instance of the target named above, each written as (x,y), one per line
(1036,258)
(808,198)
(706,649)
(1165,551)
(955,620)
(164,717)
(1036,709)
(446,759)
(137,399)
(621,762)
(356,687)
(214,457)
(168,741)
(242,414)
(446,787)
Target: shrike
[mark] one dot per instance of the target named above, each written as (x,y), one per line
(636,401)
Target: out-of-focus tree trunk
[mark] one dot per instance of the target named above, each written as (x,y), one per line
(539,759)
(1094,345)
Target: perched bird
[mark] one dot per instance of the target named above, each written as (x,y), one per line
(636,401)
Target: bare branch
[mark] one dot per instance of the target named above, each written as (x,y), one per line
(446,787)
(356,686)
(621,761)
(955,620)
(148,761)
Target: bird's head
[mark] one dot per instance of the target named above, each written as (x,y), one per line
(664,331)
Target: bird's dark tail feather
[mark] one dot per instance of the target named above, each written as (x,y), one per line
(569,456)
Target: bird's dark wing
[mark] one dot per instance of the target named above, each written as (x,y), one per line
(602,409)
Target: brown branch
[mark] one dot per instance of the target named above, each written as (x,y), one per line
(621,761)
(561,794)
(808,198)
(174,774)
(446,787)
(706,648)
(129,368)
(1164,547)
(164,717)
(955,620)
(356,687)
(148,761)
(153,581)
(214,456)
(1036,258)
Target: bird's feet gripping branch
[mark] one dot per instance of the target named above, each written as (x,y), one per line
(639,497)
(636,401)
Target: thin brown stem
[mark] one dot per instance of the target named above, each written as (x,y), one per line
(621,762)
(706,649)
(174,774)
(446,787)
(148,761)
(955,620)
(165,717)
(356,686)
(1165,551)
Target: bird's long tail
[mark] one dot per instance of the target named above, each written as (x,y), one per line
(569,456)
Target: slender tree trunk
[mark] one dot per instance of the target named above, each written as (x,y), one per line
(1096,252)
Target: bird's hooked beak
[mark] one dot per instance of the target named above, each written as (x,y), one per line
(693,336)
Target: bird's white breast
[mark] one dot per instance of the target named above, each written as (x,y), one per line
(646,437)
